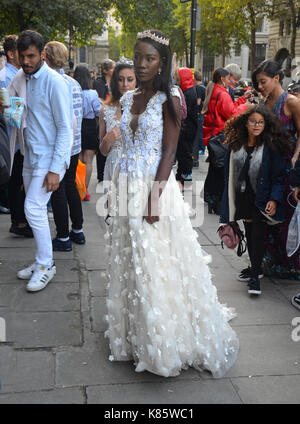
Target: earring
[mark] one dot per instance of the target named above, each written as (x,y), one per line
(159,72)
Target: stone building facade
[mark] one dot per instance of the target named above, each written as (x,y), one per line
(92,55)
(280,47)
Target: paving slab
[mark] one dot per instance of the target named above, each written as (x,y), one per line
(268,390)
(97,283)
(94,256)
(98,311)
(202,239)
(266,350)
(66,269)
(58,353)
(43,397)
(43,329)
(58,297)
(26,370)
(10,241)
(19,253)
(93,368)
(271,308)
(167,392)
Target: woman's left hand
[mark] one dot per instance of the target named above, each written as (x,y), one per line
(271,207)
(295,158)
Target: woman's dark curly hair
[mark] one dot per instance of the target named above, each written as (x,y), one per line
(274,134)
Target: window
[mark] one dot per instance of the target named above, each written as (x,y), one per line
(260,26)
(281,28)
(237,51)
(260,50)
(208,66)
(260,55)
(288,27)
(82,55)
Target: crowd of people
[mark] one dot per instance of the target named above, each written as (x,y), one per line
(141,118)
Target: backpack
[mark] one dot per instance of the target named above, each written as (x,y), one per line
(232,236)
(4,153)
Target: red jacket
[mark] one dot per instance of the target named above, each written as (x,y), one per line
(224,110)
(186,78)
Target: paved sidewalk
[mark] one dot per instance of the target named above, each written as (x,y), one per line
(56,352)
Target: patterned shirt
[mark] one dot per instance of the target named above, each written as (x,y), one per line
(77,104)
(7,74)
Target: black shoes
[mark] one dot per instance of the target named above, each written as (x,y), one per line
(66,246)
(25,231)
(78,238)
(246,275)
(254,286)
(61,246)
(214,207)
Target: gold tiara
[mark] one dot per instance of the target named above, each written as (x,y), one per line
(157,38)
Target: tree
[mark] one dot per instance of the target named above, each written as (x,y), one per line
(180,34)
(139,15)
(79,18)
(222,26)
(235,23)
(114,44)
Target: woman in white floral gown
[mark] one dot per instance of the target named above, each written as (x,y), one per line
(163,310)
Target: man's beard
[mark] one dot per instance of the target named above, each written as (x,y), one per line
(38,66)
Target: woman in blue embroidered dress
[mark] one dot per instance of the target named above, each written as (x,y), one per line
(163,310)
(267,79)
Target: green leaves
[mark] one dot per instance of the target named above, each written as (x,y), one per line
(83,17)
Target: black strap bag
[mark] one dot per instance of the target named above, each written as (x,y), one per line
(4,154)
(216,149)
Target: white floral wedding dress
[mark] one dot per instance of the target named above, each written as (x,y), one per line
(113,157)
(163,310)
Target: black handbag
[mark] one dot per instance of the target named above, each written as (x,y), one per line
(216,148)
(4,153)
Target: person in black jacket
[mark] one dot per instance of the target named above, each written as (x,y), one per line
(189,125)
(295,180)
(295,183)
(198,142)
(254,182)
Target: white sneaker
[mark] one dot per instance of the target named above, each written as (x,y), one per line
(26,273)
(40,278)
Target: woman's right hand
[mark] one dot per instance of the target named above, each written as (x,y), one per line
(112,135)
(297,194)
(2,107)
(249,96)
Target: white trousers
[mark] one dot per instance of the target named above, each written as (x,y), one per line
(36,213)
